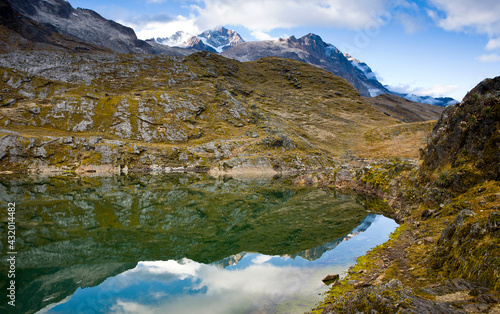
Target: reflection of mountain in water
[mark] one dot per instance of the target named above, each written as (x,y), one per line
(52,284)
(75,232)
(230,260)
(311,254)
(317,252)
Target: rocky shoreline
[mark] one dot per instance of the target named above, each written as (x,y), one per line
(444,256)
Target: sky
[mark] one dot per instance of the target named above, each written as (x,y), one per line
(426,47)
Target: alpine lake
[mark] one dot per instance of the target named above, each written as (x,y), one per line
(186,243)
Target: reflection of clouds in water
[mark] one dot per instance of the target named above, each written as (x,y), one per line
(183,268)
(261,259)
(225,291)
(242,283)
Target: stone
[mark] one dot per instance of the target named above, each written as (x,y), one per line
(362,284)
(331,277)
(35,110)
(427,213)
(428,240)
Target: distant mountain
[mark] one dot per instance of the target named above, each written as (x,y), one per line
(60,17)
(179,39)
(215,40)
(220,39)
(313,50)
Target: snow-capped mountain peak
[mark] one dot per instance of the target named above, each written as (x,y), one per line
(178,39)
(220,38)
(215,40)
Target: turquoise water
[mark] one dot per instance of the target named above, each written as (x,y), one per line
(181,244)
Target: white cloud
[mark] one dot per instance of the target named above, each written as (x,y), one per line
(265,15)
(489,58)
(439,90)
(261,259)
(259,35)
(481,16)
(432,14)
(156,29)
(261,16)
(493,43)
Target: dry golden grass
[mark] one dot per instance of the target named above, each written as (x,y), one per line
(401,140)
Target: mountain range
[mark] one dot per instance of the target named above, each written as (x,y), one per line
(83,29)
(309,48)
(216,40)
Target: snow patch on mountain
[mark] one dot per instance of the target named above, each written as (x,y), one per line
(330,49)
(219,49)
(364,68)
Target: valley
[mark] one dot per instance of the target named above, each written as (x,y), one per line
(204,156)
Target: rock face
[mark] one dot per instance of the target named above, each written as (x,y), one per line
(85,25)
(391,297)
(21,32)
(469,133)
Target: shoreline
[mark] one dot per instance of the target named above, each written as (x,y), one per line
(414,272)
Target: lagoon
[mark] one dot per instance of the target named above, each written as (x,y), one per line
(182,243)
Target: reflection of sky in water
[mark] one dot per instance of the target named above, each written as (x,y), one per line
(255,282)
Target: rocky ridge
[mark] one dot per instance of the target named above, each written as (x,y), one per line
(312,49)
(87,26)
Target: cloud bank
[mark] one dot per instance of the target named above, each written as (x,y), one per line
(439,90)
(261,16)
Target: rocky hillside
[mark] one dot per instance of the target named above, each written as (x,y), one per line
(467,134)
(82,25)
(96,33)
(70,111)
(18,32)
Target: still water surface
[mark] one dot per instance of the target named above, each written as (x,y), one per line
(180,244)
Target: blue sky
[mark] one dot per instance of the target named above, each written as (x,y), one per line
(427,47)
